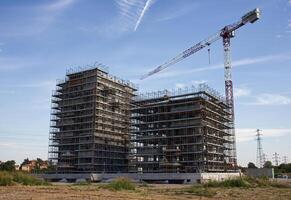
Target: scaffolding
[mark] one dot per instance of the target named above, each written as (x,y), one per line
(90,122)
(182,131)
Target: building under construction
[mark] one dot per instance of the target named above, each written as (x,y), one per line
(184,131)
(101,129)
(90,122)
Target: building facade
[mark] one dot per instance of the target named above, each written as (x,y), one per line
(90,122)
(184,131)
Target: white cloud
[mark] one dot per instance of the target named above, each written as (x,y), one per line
(271,99)
(179,85)
(146,7)
(38,18)
(241,92)
(198,82)
(247,134)
(183,85)
(45,83)
(58,5)
(14,63)
(178,12)
(132,12)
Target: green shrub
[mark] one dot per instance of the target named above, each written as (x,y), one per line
(121,184)
(26,179)
(5,178)
(237,182)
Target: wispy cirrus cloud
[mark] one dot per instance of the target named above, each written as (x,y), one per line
(261,99)
(248,134)
(177,12)
(58,5)
(145,8)
(133,11)
(241,92)
(14,63)
(44,84)
(35,19)
(267,99)
(194,83)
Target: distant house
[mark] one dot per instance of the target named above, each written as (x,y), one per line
(33,165)
(17,167)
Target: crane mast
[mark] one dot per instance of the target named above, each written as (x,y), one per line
(226,33)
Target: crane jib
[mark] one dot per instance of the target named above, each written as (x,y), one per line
(227,31)
(191,51)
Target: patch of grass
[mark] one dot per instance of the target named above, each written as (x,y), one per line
(5,178)
(9,178)
(144,184)
(279,185)
(238,182)
(120,184)
(246,182)
(26,179)
(200,191)
(82,183)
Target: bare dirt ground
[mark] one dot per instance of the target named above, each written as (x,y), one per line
(154,192)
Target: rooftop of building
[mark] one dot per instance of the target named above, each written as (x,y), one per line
(180,92)
(101,68)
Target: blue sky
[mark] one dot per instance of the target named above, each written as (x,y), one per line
(39,40)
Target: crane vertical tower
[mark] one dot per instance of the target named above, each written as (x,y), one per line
(229,92)
(226,33)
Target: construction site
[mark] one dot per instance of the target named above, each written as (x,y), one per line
(101,128)
(184,131)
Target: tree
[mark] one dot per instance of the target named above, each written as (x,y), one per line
(251,165)
(268,164)
(25,161)
(8,165)
(39,162)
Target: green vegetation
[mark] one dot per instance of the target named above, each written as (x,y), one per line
(7,166)
(208,189)
(10,178)
(238,182)
(246,182)
(26,179)
(120,184)
(6,179)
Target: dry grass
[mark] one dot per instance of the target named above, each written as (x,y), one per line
(155,192)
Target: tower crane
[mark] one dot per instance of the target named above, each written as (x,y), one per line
(226,33)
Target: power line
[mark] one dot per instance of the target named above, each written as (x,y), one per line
(260,157)
(276,158)
(285,159)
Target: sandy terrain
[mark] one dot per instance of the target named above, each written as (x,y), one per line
(164,192)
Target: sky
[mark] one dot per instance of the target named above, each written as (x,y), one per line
(41,39)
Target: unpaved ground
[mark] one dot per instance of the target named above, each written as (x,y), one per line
(154,192)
